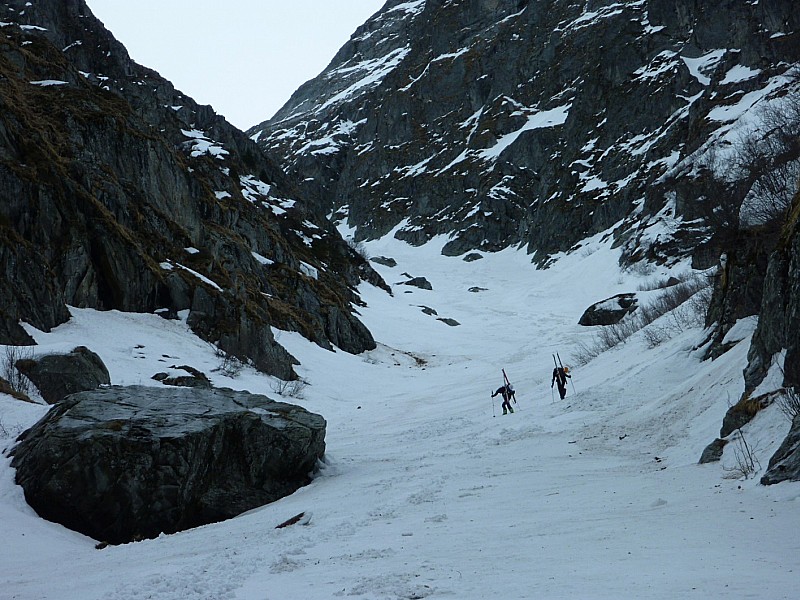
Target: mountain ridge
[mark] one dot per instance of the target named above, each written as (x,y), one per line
(529,123)
(123,193)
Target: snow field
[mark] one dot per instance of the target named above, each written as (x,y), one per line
(424,494)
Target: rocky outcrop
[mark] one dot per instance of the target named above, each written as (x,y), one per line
(120,464)
(534,123)
(58,375)
(778,331)
(119,192)
(418,282)
(739,283)
(609,311)
(785,463)
(713,452)
(777,304)
(384,260)
(779,321)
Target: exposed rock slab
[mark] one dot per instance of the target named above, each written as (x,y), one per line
(125,463)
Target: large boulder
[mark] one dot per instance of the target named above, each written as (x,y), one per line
(58,375)
(126,463)
(609,311)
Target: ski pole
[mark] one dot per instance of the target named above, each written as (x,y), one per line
(492,405)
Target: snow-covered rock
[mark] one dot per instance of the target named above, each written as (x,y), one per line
(125,463)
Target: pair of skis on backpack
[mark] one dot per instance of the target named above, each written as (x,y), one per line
(506,391)
(560,374)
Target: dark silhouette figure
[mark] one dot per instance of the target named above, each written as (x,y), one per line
(560,377)
(507,392)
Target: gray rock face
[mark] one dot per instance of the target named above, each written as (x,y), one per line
(535,123)
(609,311)
(785,464)
(119,192)
(120,464)
(779,330)
(739,283)
(779,321)
(58,375)
(777,304)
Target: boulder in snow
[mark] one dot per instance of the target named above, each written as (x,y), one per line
(125,463)
(609,311)
(58,375)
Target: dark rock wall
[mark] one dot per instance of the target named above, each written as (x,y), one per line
(108,175)
(594,106)
(779,321)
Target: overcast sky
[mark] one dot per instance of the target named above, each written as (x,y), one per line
(244,57)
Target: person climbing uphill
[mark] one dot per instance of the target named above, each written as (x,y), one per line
(507,392)
(560,375)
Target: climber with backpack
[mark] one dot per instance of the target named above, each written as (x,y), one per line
(507,392)
(560,374)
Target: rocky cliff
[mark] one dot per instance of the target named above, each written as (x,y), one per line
(670,125)
(534,122)
(117,191)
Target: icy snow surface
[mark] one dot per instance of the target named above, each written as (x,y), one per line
(425,493)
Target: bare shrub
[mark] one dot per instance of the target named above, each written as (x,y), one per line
(584,354)
(229,365)
(9,371)
(789,403)
(747,463)
(655,335)
(9,431)
(617,333)
(641,268)
(290,389)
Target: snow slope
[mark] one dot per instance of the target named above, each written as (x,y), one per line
(424,492)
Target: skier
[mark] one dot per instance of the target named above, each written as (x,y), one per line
(507,392)
(560,375)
